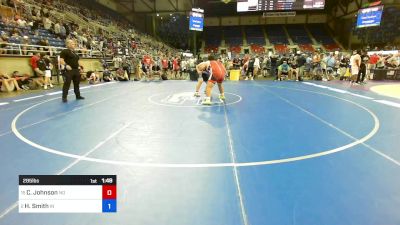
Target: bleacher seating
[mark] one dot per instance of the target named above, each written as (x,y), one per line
(257,49)
(276,35)
(211,49)
(26,31)
(212,36)
(255,35)
(306,48)
(281,49)
(332,47)
(233,35)
(298,34)
(235,49)
(320,34)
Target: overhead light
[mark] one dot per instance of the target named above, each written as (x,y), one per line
(170,14)
(158,14)
(226,1)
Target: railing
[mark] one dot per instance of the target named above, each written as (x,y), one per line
(12,49)
(17,50)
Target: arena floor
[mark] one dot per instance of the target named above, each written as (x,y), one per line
(276,153)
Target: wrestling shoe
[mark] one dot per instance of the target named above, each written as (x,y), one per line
(206,102)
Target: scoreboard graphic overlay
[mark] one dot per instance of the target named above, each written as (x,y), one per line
(67,193)
(279,5)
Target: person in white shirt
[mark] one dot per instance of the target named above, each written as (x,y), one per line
(381,62)
(355,63)
(21,22)
(117,62)
(47,23)
(394,61)
(57,29)
(256,66)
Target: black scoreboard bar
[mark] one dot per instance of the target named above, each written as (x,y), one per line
(67,179)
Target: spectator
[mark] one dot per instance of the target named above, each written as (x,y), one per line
(283,69)
(355,62)
(43,42)
(176,67)
(373,60)
(249,66)
(16,34)
(301,61)
(330,65)
(23,80)
(47,23)
(3,46)
(343,67)
(35,25)
(380,64)
(117,62)
(45,65)
(57,29)
(8,84)
(21,22)
(126,66)
(394,61)
(257,66)
(37,73)
(107,76)
(93,78)
(121,75)
(63,31)
(147,65)
(274,65)
(25,42)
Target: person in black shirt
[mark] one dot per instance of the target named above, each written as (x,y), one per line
(273,61)
(363,68)
(249,65)
(343,67)
(301,62)
(236,63)
(70,60)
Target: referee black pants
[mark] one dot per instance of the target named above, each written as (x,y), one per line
(75,76)
(361,73)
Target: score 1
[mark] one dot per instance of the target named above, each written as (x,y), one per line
(109,198)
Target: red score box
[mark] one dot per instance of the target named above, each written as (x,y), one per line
(109,192)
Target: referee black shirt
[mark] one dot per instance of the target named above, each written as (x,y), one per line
(70,58)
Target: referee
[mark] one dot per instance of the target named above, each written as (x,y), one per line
(70,61)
